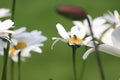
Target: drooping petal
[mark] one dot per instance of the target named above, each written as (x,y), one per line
(116,37)
(62,32)
(86,54)
(109,50)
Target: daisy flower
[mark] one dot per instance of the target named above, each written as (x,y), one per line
(111,45)
(25,42)
(113,18)
(75,37)
(98,26)
(4,12)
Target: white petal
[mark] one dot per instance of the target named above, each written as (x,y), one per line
(86,54)
(62,32)
(107,37)
(109,50)
(6,24)
(4,12)
(99,21)
(116,37)
(80,30)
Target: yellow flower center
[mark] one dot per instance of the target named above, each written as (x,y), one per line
(20,45)
(119,17)
(75,40)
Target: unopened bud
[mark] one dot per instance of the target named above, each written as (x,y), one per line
(72,12)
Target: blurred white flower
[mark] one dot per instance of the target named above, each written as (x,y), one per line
(98,26)
(75,37)
(112,45)
(25,42)
(4,28)
(4,12)
(113,18)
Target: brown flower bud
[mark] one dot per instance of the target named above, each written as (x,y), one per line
(72,12)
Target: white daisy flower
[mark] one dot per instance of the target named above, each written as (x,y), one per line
(4,12)
(25,42)
(98,26)
(112,45)
(75,37)
(113,18)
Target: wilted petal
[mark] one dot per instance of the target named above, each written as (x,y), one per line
(62,32)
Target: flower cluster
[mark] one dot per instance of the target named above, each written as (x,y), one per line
(106,30)
(21,41)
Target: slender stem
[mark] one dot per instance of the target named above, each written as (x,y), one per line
(96,52)
(74,61)
(12,69)
(13,9)
(82,69)
(19,66)
(5,61)
(12,18)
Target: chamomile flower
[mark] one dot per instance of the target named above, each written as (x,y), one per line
(112,45)
(75,37)
(98,26)
(4,12)
(113,18)
(25,42)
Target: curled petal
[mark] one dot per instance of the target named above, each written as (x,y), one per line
(86,54)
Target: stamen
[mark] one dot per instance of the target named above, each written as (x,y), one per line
(75,40)
(20,45)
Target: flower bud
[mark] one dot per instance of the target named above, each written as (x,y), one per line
(72,12)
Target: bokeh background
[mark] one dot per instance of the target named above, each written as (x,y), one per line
(57,63)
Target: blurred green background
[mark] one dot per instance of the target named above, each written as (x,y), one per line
(57,63)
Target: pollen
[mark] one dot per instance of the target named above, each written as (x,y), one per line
(20,45)
(119,17)
(75,40)
(12,51)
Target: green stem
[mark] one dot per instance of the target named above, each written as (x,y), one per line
(74,61)
(19,66)
(5,61)
(82,69)
(13,9)
(96,52)
(12,69)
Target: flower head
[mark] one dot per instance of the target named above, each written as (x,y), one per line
(113,18)
(110,46)
(25,42)
(75,37)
